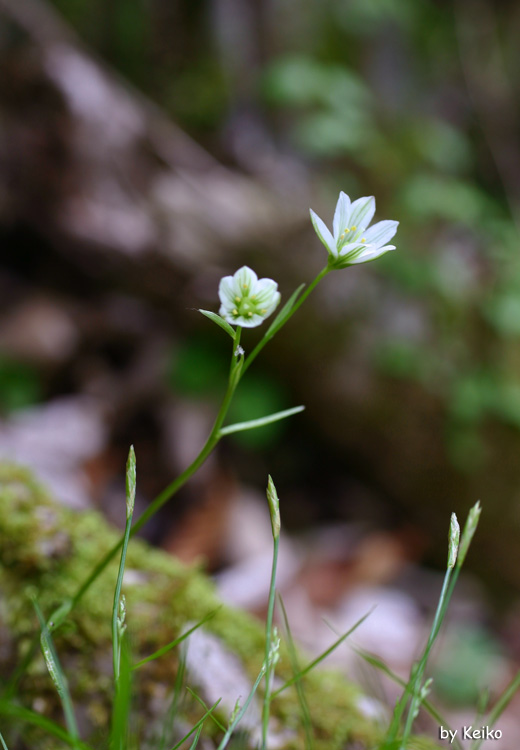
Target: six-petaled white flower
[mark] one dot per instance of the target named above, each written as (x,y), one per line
(247,300)
(353,240)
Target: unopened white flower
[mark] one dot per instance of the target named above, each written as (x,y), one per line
(247,300)
(353,240)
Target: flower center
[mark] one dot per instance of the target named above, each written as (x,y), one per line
(246,306)
(350,234)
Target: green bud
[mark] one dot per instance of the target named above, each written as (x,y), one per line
(274,507)
(130,483)
(469,530)
(453,541)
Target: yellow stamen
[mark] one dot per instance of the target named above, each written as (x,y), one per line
(347,230)
(354,228)
(253,296)
(238,299)
(249,314)
(235,311)
(363,239)
(342,236)
(263,311)
(244,286)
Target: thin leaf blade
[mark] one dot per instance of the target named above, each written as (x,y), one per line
(284,313)
(219,321)
(254,424)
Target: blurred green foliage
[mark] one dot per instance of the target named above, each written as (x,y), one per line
(470,662)
(20,385)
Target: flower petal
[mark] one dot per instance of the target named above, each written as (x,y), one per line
(381,232)
(252,322)
(362,212)
(227,291)
(225,312)
(371,254)
(323,233)
(264,288)
(350,246)
(272,304)
(341,215)
(246,279)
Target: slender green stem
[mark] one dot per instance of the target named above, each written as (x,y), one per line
(258,348)
(416,679)
(268,644)
(181,480)
(116,650)
(240,713)
(500,706)
(237,369)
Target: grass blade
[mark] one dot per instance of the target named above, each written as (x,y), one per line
(8,708)
(176,699)
(204,706)
(164,649)
(293,657)
(500,705)
(118,608)
(122,701)
(197,737)
(253,424)
(374,661)
(197,725)
(56,672)
(238,714)
(274,509)
(283,314)
(323,655)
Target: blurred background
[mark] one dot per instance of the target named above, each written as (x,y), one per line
(149,148)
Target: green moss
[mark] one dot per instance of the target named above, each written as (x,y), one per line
(47,551)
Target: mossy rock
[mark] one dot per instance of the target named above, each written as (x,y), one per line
(47,551)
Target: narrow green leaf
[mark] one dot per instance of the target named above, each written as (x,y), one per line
(57,675)
(204,706)
(323,655)
(164,649)
(302,699)
(4,746)
(175,703)
(374,661)
(197,738)
(197,725)
(284,313)
(59,615)
(253,424)
(219,321)
(8,708)
(239,711)
(500,705)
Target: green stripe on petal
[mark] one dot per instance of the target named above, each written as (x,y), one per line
(371,254)
(381,232)
(341,215)
(362,212)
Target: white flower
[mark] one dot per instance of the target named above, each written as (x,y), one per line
(247,300)
(353,242)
